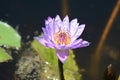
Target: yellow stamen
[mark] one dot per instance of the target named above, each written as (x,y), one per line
(61,37)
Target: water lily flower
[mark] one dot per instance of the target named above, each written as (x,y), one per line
(62,35)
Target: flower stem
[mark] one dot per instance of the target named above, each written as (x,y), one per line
(61,74)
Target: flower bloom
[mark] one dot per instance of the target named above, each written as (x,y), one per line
(62,35)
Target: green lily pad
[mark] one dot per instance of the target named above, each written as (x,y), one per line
(8,36)
(71,70)
(4,56)
(119,77)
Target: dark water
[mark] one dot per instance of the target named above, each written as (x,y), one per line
(29,15)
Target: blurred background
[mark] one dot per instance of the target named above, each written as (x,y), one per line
(28,16)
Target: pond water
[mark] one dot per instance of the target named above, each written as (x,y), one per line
(29,16)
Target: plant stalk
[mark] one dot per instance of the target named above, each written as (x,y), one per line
(61,72)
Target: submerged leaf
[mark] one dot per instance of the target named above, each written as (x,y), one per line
(4,56)
(8,36)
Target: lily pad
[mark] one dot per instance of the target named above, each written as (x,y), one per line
(4,56)
(71,70)
(119,77)
(8,36)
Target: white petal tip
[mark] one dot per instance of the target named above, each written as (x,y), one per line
(57,17)
(82,25)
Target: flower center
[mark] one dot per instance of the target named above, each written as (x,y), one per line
(61,37)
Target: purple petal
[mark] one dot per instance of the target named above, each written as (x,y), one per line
(80,29)
(50,19)
(58,19)
(49,26)
(66,19)
(74,43)
(59,47)
(41,40)
(62,55)
(66,23)
(44,42)
(77,41)
(79,44)
(47,33)
(78,32)
(83,44)
(73,26)
(57,23)
(44,30)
